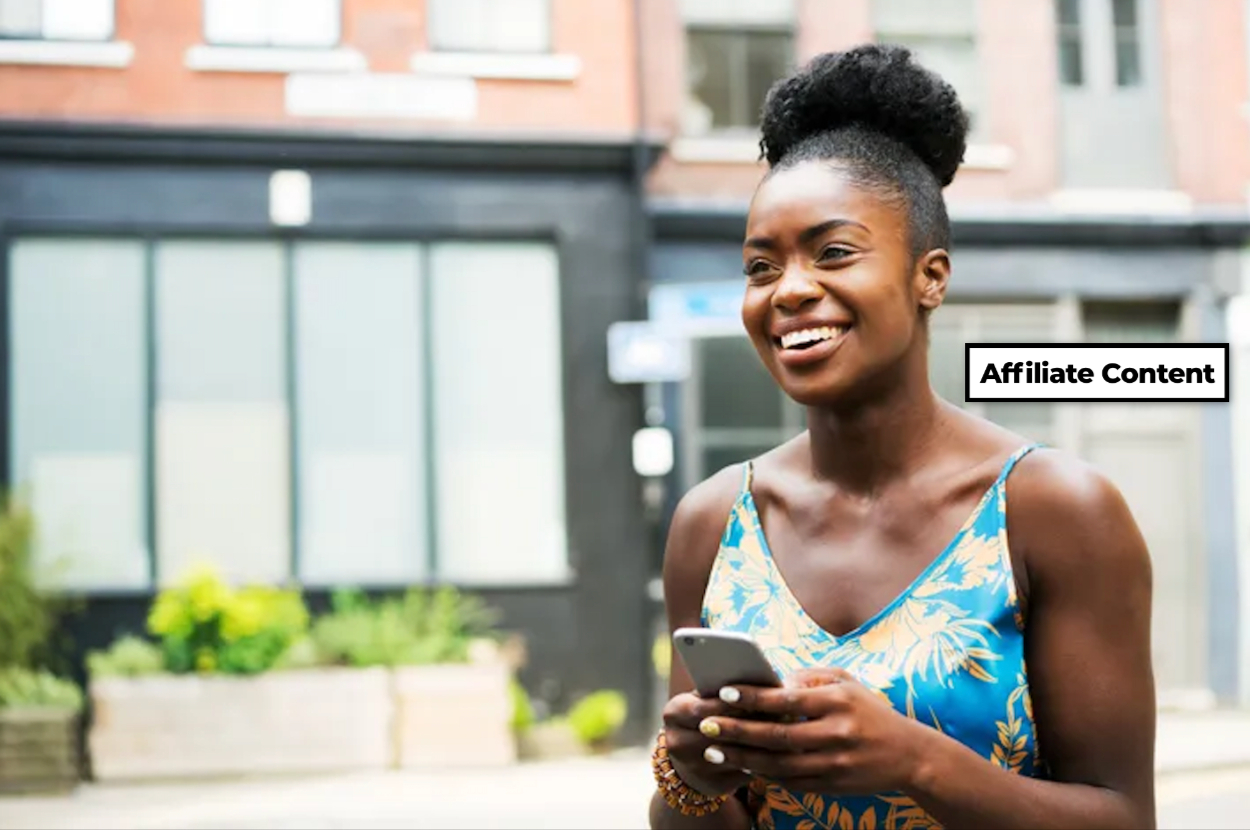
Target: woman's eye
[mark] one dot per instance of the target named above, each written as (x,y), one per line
(758,268)
(834,252)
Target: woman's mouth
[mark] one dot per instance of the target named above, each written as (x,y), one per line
(809,345)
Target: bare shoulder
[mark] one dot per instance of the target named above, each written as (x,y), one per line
(695,532)
(1068,520)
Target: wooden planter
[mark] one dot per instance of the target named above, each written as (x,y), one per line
(38,750)
(454,716)
(282,722)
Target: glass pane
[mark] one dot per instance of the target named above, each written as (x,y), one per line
(21,18)
(79,390)
(1141,322)
(712,60)
(1071,63)
(458,25)
(1068,12)
(768,58)
(735,390)
(1124,13)
(519,26)
(221,416)
(236,22)
(78,19)
(1127,59)
(498,412)
(361,416)
(718,458)
(304,22)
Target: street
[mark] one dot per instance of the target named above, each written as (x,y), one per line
(590,793)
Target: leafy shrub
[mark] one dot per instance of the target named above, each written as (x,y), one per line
(205,625)
(418,628)
(29,688)
(522,709)
(597,716)
(130,656)
(27,618)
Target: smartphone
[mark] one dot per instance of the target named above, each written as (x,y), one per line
(722,658)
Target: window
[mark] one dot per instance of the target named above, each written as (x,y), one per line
(78,415)
(361,423)
(1131,322)
(498,404)
(57,19)
(1068,25)
(1127,47)
(735,52)
(942,35)
(288,23)
(490,25)
(222,453)
(323,410)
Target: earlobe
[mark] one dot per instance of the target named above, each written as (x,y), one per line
(933,271)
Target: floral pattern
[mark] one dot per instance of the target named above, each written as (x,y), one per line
(948,650)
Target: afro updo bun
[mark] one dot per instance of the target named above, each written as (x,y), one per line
(875,88)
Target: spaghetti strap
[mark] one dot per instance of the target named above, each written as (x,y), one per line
(1015,457)
(748,474)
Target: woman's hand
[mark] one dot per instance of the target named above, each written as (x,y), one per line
(834,736)
(688,748)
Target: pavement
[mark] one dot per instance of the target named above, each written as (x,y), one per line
(1203,763)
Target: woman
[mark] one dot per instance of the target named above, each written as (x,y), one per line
(869,556)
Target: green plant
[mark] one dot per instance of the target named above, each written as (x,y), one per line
(27,618)
(522,708)
(129,656)
(418,628)
(598,716)
(205,625)
(30,688)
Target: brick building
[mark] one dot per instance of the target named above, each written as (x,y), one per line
(313,244)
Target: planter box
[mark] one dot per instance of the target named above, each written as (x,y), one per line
(284,722)
(551,741)
(456,715)
(38,750)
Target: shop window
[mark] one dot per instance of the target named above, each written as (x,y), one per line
(490,25)
(283,23)
(88,20)
(221,418)
(77,440)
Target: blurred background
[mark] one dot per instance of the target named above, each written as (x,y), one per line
(355,353)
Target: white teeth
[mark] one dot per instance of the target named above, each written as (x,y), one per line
(802,338)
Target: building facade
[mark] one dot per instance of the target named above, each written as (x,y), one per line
(319,289)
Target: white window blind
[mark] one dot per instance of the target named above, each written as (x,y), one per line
(287,23)
(490,25)
(90,20)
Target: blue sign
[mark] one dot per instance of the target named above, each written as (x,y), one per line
(698,302)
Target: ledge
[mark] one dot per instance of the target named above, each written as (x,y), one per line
(106,54)
(206,58)
(745,149)
(505,66)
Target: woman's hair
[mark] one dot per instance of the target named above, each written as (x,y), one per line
(895,127)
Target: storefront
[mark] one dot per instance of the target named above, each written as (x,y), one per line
(409,387)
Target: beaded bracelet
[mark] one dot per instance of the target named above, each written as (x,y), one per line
(677,793)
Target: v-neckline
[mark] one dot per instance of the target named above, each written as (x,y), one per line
(865,626)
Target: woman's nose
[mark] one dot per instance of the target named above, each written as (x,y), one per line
(796,289)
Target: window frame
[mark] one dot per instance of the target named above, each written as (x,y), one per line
(41,37)
(740,75)
(548,47)
(269,42)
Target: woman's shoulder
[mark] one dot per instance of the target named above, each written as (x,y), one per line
(1071,520)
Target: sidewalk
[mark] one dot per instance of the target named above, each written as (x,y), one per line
(608,793)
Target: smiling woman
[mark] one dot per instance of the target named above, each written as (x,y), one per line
(870,557)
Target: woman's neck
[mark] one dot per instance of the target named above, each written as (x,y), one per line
(863,449)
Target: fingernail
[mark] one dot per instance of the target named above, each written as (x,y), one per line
(710,728)
(713,755)
(730,695)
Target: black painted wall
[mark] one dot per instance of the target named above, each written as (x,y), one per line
(586,635)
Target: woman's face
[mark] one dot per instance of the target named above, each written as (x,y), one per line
(834,298)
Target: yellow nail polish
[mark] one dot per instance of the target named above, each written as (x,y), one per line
(710,728)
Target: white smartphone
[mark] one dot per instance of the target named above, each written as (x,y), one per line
(722,658)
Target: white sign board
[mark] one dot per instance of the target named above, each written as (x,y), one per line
(644,353)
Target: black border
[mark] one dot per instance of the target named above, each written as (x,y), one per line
(968,377)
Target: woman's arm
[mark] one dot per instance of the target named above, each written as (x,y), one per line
(1089,661)
(691,549)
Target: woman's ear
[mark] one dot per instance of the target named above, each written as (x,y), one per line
(929,279)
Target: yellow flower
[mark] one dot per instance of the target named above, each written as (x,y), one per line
(206,594)
(242,615)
